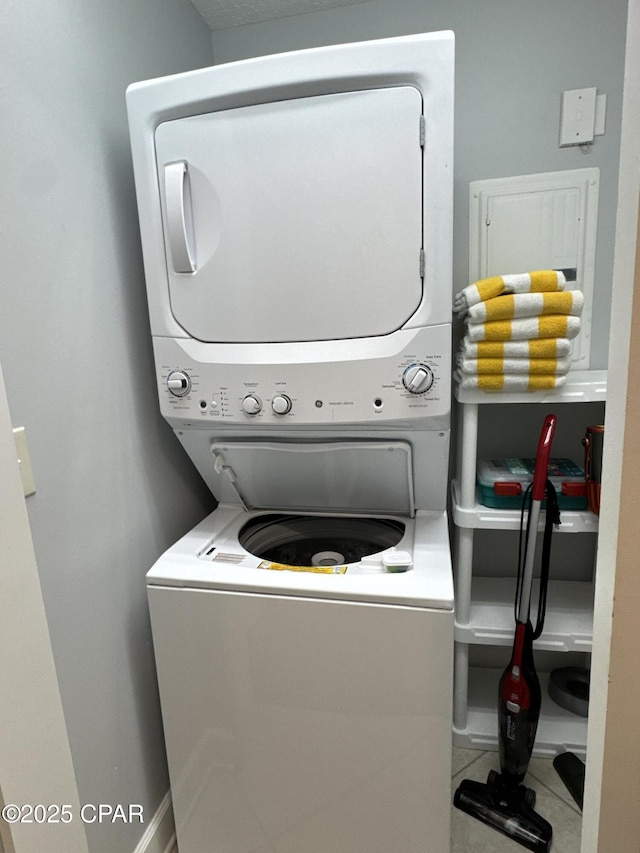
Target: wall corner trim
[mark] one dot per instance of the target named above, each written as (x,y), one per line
(159,836)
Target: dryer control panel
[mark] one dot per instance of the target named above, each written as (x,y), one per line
(401,377)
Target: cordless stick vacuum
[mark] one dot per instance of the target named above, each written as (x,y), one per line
(503,802)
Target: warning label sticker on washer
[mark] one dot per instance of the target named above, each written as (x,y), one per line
(283,567)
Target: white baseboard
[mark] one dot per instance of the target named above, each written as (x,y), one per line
(159,836)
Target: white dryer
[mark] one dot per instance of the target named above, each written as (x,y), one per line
(296,216)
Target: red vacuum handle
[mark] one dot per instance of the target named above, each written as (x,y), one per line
(542,458)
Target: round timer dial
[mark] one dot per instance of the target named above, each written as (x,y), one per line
(281,404)
(251,404)
(178,383)
(417,378)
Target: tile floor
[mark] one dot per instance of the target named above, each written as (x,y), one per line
(553,801)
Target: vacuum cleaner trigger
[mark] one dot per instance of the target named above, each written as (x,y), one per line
(552,504)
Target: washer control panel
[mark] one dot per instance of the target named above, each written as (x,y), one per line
(412,383)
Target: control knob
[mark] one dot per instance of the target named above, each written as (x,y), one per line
(418,378)
(251,404)
(281,404)
(178,383)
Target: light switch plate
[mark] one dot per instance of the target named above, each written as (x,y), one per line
(577,116)
(24,461)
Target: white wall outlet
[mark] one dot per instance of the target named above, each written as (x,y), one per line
(24,461)
(577,116)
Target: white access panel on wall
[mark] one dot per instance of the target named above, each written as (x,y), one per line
(294,220)
(544,221)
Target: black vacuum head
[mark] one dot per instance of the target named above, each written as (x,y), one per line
(507,809)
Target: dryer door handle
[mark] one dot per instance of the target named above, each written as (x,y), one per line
(177,195)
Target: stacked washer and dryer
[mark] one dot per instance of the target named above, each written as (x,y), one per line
(296,221)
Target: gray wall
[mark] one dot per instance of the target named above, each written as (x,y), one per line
(113,485)
(513,60)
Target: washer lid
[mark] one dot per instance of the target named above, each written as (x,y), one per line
(363,477)
(294,220)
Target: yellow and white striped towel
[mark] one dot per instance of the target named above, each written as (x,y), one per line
(505,382)
(539,348)
(518,305)
(526,328)
(538,281)
(514,366)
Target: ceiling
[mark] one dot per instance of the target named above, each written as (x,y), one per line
(224,14)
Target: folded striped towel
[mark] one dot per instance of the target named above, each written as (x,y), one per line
(527,328)
(527,282)
(539,348)
(509,383)
(519,305)
(514,366)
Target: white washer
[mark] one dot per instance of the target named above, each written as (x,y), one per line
(295,214)
(305,712)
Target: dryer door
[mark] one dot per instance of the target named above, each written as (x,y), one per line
(297,220)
